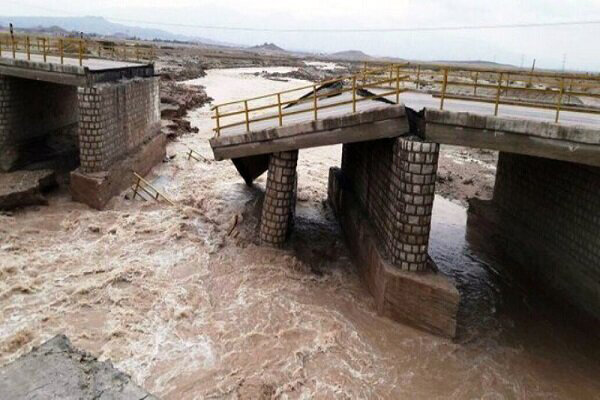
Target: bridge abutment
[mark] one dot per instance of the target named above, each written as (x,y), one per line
(119,132)
(383,197)
(280,198)
(545,214)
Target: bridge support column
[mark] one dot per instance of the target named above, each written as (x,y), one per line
(413,176)
(280,198)
(8,106)
(119,132)
(383,197)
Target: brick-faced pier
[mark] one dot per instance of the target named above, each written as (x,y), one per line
(383,197)
(394,181)
(280,198)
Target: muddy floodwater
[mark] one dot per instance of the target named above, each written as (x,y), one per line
(184,300)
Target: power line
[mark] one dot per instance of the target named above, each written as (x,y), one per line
(340,30)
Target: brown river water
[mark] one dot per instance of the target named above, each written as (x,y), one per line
(184,300)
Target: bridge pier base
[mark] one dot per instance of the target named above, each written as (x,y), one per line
(383,197)
(280,198)
(119,132)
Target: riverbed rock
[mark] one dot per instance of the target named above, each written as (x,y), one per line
(56,370)
(25,188)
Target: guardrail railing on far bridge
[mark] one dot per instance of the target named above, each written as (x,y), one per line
(25,46)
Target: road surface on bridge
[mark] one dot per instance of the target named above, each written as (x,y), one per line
(414,100)
(93,64)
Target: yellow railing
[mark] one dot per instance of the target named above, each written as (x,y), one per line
(536,89)
(543,89)
(26,46)
(253,110)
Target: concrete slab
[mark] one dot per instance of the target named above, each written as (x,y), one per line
(376,123)
(70,72)
(56,370)
(579,144)
(25,188)
(93,64)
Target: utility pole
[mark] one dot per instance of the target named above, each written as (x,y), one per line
(531,74)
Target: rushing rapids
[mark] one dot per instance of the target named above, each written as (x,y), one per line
(184,300)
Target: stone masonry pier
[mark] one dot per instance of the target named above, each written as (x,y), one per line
(546,205)
(108,112)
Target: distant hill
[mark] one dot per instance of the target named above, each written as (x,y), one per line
(268,47)
(475,63)
(351,55)
(98,26)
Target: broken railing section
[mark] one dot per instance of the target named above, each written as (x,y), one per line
(515,87)
(194,155)
(140,184)
(278,105)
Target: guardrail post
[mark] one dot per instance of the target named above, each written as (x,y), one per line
(498,94)
(14,50)
(247,116)
(279,109)
(28,45)
(418,76)
(560,96)
(315,100)
(444,88)
(61,48)
(80,52)
(218,122)
(475,86)
(354,94)
(397,85)
(44,48)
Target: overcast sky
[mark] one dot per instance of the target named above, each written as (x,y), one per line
(580,44)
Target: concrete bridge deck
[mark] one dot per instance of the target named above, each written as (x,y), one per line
(69,72)
(342,104)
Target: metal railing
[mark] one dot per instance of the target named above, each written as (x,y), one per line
(24,46)
(253,110)
(515,87)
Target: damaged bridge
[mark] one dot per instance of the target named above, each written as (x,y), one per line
(547,194)
(64,107)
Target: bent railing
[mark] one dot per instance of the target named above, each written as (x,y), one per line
(497,86)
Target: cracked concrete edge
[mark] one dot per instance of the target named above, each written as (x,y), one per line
(56,370)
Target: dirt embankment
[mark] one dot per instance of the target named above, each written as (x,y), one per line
(465,173)
(176,99)
(308,73)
